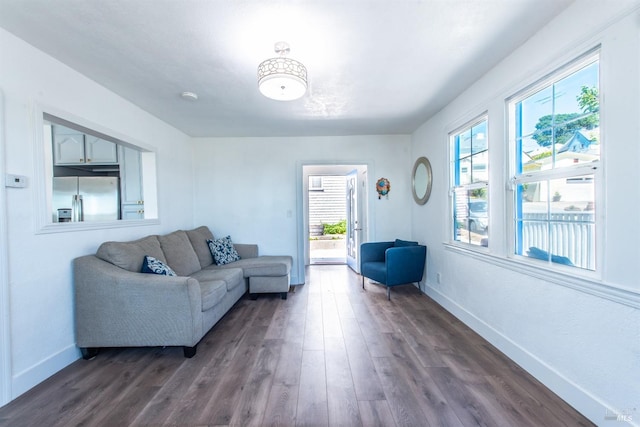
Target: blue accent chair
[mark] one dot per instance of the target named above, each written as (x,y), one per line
(392,263)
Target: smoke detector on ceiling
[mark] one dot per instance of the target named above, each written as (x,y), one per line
(189,96)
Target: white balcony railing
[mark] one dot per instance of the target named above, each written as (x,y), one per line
(570,234)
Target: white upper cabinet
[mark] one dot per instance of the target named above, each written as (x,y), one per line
(71,147)
(68,148)
(100,152)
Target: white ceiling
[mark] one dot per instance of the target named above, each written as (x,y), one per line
(375,67)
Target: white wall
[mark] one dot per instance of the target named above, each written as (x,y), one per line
(580,337)
(250,188)
(39,265)
(583,346)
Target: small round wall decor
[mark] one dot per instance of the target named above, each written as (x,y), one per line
(383,186)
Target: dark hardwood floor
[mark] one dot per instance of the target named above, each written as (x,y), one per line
(331,354)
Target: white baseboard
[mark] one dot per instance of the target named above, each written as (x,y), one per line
(585,403)
(29,378)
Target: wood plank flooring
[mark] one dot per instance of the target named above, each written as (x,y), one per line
(330,355)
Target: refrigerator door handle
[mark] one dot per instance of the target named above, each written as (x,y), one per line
(76,206)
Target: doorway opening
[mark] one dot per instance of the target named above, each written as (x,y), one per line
(327,219)
(334,213)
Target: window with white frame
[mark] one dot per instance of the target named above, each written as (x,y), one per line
(316,183)
(554,130)
(470,183)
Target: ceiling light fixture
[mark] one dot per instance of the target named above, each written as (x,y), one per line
(282,78)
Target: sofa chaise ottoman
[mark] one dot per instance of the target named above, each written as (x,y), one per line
(116,305)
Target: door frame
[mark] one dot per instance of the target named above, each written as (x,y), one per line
(307,168)
(357,225)
(5,309)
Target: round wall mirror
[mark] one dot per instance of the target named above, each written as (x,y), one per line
(421,180)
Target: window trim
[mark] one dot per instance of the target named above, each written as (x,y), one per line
(568,277)
(453,158)
(569,67)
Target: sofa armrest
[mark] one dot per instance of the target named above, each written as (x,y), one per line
(118,308)
(246,250)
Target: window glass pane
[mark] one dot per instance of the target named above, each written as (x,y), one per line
(532,110)
(472,216)
(559,125)
(470,167)
(535,236)
(556,129)
(464,173)
(460,214)
(479,170)
(479,138)
(464,144)
(556,220)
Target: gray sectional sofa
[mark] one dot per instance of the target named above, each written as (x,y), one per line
(118,306)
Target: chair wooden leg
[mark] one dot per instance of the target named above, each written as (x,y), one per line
(388,293)
(362,282)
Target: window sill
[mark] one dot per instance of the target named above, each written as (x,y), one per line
(68,227)
(591,286)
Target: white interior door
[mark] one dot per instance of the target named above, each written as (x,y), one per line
(354,220)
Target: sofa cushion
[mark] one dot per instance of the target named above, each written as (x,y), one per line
(261,266)
(130,255)
(155,266)
(198,238)
(231,276)
(179,253)
(223,251)
(211,293)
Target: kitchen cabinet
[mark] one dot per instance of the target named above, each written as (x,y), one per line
(100,152)
(71,147)
(132,197)
(132,212)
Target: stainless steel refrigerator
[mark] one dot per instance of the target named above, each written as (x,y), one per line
(86,198)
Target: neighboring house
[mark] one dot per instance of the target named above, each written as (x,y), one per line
(579,143)
(578,149)
(327,201)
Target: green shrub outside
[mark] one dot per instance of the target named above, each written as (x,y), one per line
(338,228)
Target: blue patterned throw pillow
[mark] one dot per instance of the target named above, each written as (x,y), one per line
(155,266)
(223,251)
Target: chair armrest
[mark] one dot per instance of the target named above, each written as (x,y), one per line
(373,251)
(405,264)
(246,250)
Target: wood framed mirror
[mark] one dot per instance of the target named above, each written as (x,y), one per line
(421,179)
